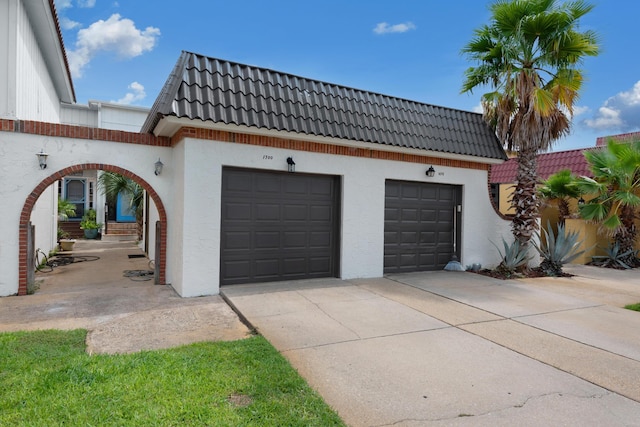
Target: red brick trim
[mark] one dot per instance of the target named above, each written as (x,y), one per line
(29,203)
(82,132)
(316,147)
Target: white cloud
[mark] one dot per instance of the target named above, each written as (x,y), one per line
(385,28)
(619,113)
(63,4)
(606,118)
(579,110)
(68,24)
(117,35)
(478,108)
(136,93)
(66,4)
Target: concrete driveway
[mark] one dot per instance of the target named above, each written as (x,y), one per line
(451,348)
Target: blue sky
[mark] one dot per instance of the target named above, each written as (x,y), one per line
(123,51)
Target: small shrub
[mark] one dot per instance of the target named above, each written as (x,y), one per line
(557,250)
(89,221)
(513,257)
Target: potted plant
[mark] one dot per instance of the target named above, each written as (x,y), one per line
(66,244)
(90,225)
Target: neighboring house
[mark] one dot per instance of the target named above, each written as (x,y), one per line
(503,176)
(267,176)
(502,181)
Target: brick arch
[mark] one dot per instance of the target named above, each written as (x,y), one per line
(25,216)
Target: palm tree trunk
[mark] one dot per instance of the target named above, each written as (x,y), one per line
(525,200)
(563,211)
(626,235)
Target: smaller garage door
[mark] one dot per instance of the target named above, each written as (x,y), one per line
(421,224)
(278,226)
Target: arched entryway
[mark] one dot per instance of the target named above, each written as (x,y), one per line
(25,216)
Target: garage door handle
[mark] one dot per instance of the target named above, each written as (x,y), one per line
(455,229)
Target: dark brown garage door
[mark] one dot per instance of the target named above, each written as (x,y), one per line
(278,226)
(421,223)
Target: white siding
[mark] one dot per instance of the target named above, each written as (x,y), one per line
(8,10)
(37,98)
(105,116)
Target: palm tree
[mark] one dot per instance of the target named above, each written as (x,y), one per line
(616,184)
(561,186)
(112,184)
(529,56)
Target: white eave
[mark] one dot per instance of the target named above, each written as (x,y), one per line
(44,27)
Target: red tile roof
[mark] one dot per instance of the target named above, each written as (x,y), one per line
(622,137)
(548,164)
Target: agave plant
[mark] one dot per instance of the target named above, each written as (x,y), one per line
(514,257)
(616,258)
(557,249)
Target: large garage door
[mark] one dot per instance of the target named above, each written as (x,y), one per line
(421,224)
(278,226)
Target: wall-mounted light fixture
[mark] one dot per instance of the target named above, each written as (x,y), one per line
(158,167)
(42,159)
(291,165)
(581,201)
(431,172)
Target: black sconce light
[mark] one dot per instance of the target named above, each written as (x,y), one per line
(291,165)
(158,167)
(431,172)
(42,159)
(581,201)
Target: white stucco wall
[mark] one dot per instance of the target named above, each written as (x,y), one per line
(44,217)
(21,176)
(363,187)
(190,186)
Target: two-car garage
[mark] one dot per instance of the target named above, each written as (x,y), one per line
(286,226)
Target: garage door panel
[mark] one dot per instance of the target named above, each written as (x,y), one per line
(321,188)
(295,239)
(265,185)
(267,240)
(267,212)
(419,225)
(237,240)
(320,240)
(295,212)
(296,187)
(266,268)
(237,270)
(237,211)
(320,213)
(284,227)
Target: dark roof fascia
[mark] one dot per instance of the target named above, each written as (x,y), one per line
(162,104)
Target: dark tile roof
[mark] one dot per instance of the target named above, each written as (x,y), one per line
(548,164)
(220,91)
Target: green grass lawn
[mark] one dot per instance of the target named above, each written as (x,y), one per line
(47,379)
(634,307)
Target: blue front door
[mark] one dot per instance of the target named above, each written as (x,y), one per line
(124,212)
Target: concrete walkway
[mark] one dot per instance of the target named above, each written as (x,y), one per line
(122,314)
(451,348)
